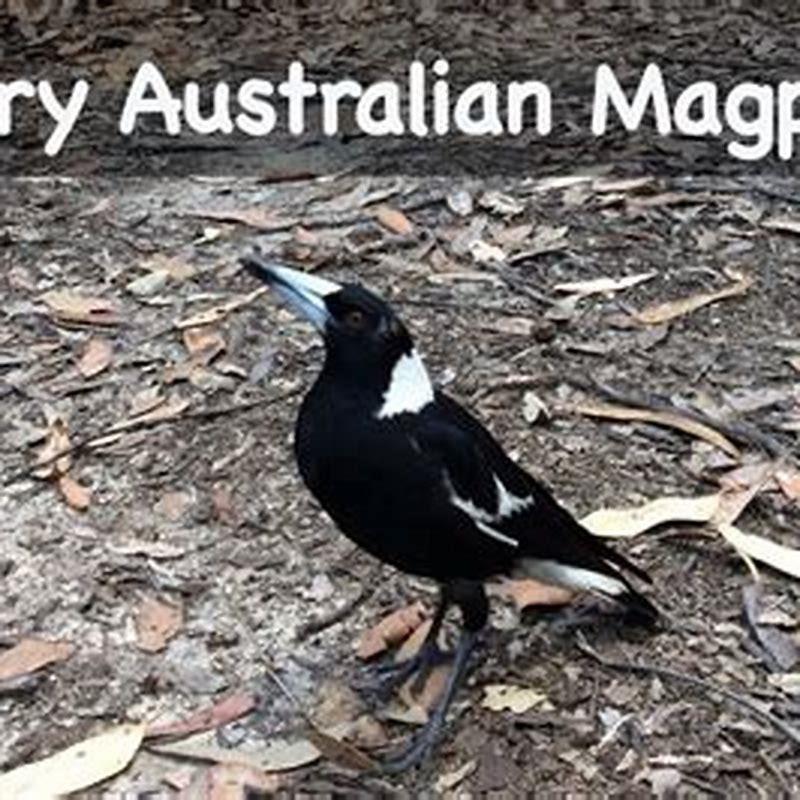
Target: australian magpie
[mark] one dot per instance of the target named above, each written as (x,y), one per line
(413,478)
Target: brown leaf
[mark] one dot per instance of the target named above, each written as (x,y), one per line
(77,496)
(526,592)
(668,419)
(57,442)
(156,624)
(231,781)
(68,306)
(204,340)
(794,362)
(391,630)
(221,713)
(173,407)
(95,357)
(394,219)
(670,199)
(664,312)
(789,481)
(337,751)
(30,655)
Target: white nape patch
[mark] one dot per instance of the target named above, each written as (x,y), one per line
(410,388)
(509,504)
(571,577)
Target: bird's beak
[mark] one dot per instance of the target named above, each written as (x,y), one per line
(304,293)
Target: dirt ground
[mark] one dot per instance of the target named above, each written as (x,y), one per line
(204,508)
(182,509)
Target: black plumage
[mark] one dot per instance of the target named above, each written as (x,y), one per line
(413,478)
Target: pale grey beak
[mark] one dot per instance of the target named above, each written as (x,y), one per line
(304,293)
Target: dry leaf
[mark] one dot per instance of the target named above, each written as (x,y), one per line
(449,780)
(231,782)
(670,199)
(736,497)
(604,285)
(783,224)
(517,699)
(30,655)
(527,592)
(156,624)
(485,253)
(785,559)
(789,481)
(221,713)
(513,326)
(218,313)
(394,219)
(95,357)
(667,419)
(77,496)
(391,630)
(664,312)
(261,218)
(148,284)
(57,442)
(339,752)
(70,307)
(204,340)
(623,523)
(794,362)
(76,768)
(612,185)
(173,407)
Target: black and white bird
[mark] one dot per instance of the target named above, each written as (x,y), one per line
(413,478)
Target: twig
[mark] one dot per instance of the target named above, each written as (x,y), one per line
(337,615)
(96,440)
(738,431)
(665,672)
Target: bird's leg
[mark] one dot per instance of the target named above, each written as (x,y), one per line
(419,747)
(394,674)
(471,599)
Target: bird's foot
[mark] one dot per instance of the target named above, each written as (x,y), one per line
(417,750)
(384,679)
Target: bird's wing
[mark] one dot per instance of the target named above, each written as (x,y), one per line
(510,501)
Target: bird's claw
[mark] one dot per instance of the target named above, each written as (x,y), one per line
(385,679)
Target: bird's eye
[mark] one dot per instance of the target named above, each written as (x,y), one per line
(355,319)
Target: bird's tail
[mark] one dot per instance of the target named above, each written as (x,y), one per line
(593,575)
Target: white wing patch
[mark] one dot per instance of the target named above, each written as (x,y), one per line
(508,504)
(410,388)
(551,571)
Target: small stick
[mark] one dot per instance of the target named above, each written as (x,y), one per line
(665,672)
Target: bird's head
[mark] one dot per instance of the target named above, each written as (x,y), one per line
(365,340)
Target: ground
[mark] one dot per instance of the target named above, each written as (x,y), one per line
(205,509)
(197,521)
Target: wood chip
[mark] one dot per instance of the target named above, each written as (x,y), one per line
(667,419)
